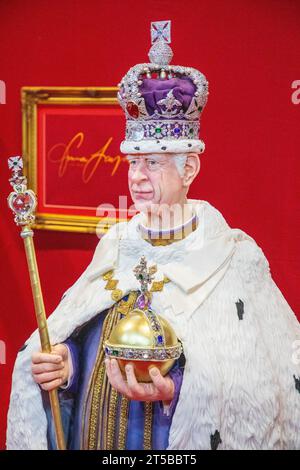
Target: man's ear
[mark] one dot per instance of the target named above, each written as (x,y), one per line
(191,169)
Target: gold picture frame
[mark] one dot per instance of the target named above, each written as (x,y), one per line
(32,98)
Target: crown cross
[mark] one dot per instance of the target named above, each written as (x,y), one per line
(161,30)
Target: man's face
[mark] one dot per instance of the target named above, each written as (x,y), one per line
(154,180)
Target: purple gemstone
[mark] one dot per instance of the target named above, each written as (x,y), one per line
(159,339)
(141,302)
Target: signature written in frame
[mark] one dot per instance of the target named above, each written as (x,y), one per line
(62,153)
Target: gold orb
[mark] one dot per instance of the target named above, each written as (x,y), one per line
(144,340)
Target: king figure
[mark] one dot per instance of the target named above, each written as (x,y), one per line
(233,376)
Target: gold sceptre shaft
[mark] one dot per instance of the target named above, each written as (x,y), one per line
(22,202)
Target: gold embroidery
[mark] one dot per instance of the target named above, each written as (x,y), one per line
(148,426)
(104,415)
(117,295)
(96,405)
(105,405)
(160,242)
(125,306)
(124,410)
(158,286)
(108,275)
(111,284)
(99,383)
(111,424)
(153,269)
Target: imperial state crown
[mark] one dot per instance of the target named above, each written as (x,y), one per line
(162,102)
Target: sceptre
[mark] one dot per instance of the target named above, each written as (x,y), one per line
(22,202)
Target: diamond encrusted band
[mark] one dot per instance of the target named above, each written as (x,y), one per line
(170,129)
(139,354)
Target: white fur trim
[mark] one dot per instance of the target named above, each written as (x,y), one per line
(162,146)
(238,376)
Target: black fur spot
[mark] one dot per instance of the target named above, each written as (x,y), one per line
(240,309)
(215,440)
(181,360)
(136,148)
(297,383)
(164,148)
(189,145)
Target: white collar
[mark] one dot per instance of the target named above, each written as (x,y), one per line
(157,233)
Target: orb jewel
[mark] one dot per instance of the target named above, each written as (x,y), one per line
(141,302)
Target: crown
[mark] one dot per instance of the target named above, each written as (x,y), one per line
(162,102)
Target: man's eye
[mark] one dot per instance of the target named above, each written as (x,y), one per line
(152,163)
(132,162)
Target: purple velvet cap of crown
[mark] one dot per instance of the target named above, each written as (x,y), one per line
(153,90)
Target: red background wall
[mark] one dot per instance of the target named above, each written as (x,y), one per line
(249,52)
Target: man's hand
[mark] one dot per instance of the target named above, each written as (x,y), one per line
(161,388)
(51,370)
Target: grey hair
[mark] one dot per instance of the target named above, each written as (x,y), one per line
(180,161)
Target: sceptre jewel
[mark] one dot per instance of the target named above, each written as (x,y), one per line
(143,337)
(22,201)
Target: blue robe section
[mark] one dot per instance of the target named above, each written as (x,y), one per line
(83,345)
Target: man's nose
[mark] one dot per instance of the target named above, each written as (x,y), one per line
(138,174)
